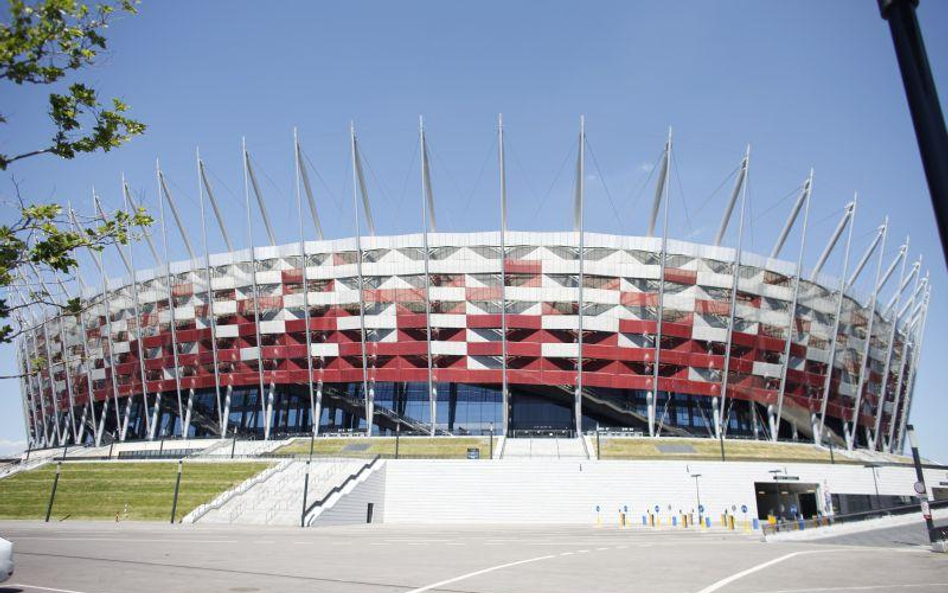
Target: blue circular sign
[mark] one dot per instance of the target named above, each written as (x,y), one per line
(625,509)
(597,508)
(657,508)
(700,508)
(743,508)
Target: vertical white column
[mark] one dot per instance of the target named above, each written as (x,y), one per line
(314,413)
(724,416)
(580,198)
(169,294)
(890,347)
(913,371)
(663,188)
(807,189)
(505,394)
(827,380)
(903,357)
(425,193)
(867,348)
(266,407)
(356,188)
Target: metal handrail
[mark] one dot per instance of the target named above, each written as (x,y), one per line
(339,487)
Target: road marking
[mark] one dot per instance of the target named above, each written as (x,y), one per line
(477,573)
(601,549)
(566,554)
(129,540)
(860,588)
(304,543)
(44,588)
(739,575)
(583,552)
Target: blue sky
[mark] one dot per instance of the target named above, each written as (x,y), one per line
(811,84)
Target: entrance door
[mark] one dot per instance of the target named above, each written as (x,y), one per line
(786,501)
(536,415)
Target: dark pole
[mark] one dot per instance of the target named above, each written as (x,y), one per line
(305,493)
(698,496)
(28,449)
(920,488)
(875,482)
(312,443)
(398,431)
(923,104)
(161,446)
(52,495)
(832,457)
(65,449)
(721,439)
(112,444)
(177,486)
(491,440)
(598,446)
(233,444)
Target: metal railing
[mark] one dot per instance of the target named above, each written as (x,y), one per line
(829,520)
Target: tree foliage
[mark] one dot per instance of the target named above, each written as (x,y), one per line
(43,43)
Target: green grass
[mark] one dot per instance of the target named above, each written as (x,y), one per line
(433,447)
(100,490)
(710,449)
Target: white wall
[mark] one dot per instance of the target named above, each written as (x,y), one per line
(541,491)
(351,508)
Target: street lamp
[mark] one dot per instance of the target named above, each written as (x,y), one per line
(698,497)
(875,481)
(920,487)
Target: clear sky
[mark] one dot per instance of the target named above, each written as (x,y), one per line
(806,84)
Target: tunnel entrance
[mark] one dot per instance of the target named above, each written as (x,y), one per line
(786,501)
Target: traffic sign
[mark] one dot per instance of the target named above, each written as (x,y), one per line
(919,488)
(657,508)
(743,508)
(700,508)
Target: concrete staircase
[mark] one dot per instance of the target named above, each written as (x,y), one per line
(547,448)
(278,500)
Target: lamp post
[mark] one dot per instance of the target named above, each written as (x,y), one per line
(491,440)
(52,495)
(920,487)
(875,482)
(177,486)
(698,497)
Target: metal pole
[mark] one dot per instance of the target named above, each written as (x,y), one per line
(305,491)
(491,440)
(425,216)
(664,187)
(867,349)
(265,406)
(913,371)
(171,305)
(851,215)
(314,416)
(807,191)
(398,431)
(356,188)
(920,488)
(698,497)
(52,494)
(505,396)
(210,307)
(723,415)
(598,444)
(177,486)
(580,196)
(890,348)
(923,104)
(903,356)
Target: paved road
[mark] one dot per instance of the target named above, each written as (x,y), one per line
(891,537)
(146,558)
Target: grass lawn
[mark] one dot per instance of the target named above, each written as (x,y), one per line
(710,449)
(100,490)
(433,447)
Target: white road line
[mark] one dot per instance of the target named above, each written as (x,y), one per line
(128,540)
(477,573)
(860,588)
(566,554)
(583,552)
(753,569)
(37,587)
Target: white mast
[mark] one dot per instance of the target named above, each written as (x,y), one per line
(661,188)
(427,202)
(580,197)
(358,186)
(505,395)
(315,412)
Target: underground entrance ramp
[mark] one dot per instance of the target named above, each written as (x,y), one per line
(786,501)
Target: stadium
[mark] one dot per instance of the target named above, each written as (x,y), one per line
(521,334)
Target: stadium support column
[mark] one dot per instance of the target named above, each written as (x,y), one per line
(723,415)
(107,313)
(358,187)
(60,432)
(890,347)
(427,213)
(913,371)
(661,190)
(848,219)
(56,436)
(266,402)
(87,362)
(903,356)
(805,203)
(877,285)
(39,418)
(202,185)
(170,292)
(313,412)
(504,392)
(579,225)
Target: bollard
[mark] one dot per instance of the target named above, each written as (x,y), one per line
(707,521)
(731,522)
(52,495)
(756,524)
(177,486)
(674,521)
(644,521)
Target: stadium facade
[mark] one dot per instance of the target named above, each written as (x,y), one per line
(522,333)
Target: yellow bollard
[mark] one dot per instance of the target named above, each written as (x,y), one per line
(731,522)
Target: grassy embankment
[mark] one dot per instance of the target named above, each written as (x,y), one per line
(136,491)
(410,447)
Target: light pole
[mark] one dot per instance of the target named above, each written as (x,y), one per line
(875,482)
(698,497)
(920,487)
(177,487)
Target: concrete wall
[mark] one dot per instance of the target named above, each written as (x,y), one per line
(557,491)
